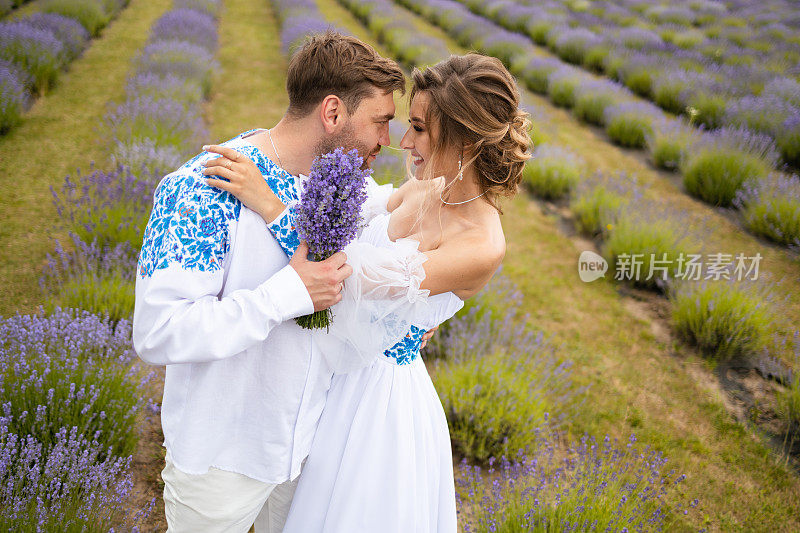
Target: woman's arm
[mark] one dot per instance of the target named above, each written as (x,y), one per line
(463,265)
(244,181)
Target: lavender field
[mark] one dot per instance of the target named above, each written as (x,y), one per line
(662,396)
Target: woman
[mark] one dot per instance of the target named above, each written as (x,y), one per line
(381,458)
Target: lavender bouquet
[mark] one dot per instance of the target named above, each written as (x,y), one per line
(329,213)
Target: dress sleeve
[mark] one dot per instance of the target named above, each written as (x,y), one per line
(377,198)
(380,302)
(179,315)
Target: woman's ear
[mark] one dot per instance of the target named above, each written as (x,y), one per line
(331,113)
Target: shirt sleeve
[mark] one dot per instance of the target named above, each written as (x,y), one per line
(179,316)
(284,229)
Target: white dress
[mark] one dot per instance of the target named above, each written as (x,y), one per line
(381,460)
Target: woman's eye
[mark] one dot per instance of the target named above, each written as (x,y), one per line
(417,129)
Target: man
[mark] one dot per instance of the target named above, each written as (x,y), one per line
(216,299)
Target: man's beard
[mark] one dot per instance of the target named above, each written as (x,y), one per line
(347,140)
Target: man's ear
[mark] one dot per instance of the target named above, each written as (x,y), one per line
(331,113)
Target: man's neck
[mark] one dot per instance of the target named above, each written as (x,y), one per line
(294,141)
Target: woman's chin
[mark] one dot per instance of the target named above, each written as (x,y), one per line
(419,172)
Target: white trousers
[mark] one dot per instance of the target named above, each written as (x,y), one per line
(221,501)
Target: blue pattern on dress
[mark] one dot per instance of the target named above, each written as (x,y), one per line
(405,351)
(189,224)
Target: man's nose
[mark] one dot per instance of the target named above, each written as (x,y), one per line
(385,139)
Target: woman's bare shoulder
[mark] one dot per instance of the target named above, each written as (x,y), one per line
(409,188)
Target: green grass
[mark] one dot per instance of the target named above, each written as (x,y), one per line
(641,379)
(249,41)
(58,135)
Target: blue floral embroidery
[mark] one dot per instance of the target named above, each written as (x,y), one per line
(189,224)
(284,230)
(405,351)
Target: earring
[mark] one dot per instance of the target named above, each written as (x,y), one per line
(460,174)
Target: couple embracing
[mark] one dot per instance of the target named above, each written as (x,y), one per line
(266,423)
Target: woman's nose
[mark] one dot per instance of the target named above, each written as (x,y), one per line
(405,142)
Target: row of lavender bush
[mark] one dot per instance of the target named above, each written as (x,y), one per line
(397,34)
(34,49)
(723,311)
(158,126)
(72,389)
(733,320)
(500,384)
(721,90)
(730,166)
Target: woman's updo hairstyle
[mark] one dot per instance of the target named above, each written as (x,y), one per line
(474,101)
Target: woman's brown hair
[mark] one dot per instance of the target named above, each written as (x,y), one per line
(474,103)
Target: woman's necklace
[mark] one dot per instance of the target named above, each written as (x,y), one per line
(458,203)
(280,163)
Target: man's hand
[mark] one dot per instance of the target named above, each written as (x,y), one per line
(324,280)
(427,337)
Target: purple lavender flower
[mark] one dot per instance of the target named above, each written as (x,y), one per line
(36,51)
(179,58)
(73,485)
(743,139)
(13,97)
(764,114)
(295,29)
(785,88)
(166,121)
(329,213)
(578,487)
(167,86)
(70,368)
(186,25)
(69,31)
(639,38)
(771,207)
(573,43)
